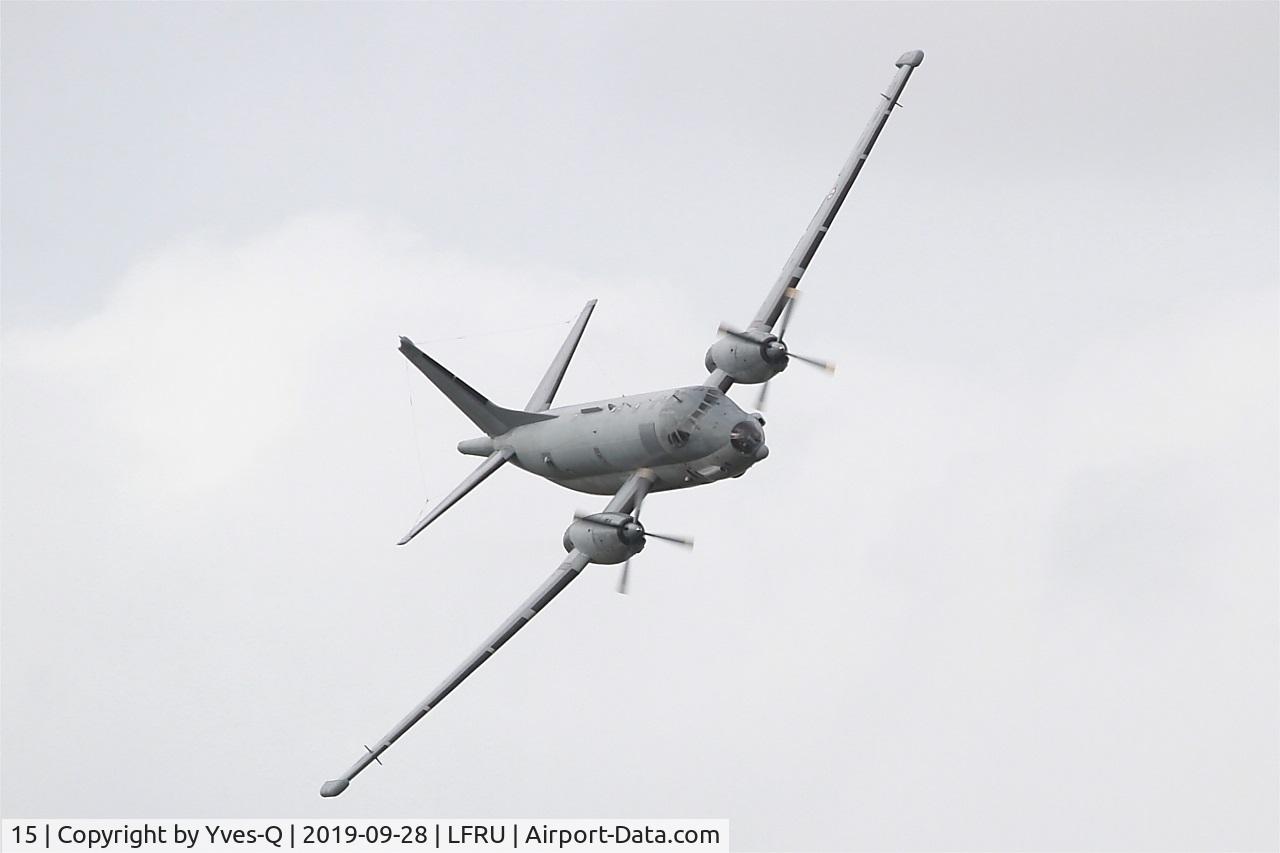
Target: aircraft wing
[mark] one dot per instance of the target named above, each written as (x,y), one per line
(789,278)
(564,574)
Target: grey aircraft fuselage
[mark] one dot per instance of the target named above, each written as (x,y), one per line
(686,436)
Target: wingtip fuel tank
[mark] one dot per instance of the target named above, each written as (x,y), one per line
(334,787)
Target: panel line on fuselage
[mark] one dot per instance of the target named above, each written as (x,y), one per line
(681,433)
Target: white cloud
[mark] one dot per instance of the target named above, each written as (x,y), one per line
(1013,569)
(203,355)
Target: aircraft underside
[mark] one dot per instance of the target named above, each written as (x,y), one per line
(666,478)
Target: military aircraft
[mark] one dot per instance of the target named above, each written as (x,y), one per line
(630,446)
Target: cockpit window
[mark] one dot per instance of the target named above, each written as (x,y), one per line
(746,437)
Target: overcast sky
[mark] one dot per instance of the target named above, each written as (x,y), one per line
(1007,581)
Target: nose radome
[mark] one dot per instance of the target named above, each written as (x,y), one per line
(912,58)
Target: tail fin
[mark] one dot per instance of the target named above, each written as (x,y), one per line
(494,420)
(546,390)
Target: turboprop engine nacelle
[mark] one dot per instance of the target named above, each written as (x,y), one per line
(748,361)
(606,537)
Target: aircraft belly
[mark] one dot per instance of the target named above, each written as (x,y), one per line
(667,478)
(591,445)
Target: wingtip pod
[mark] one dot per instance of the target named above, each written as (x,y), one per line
(334,787)
(911,57)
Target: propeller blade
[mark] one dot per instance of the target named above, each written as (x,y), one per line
(735,333)
(682,541)
(626,567)
(828,366)
(582,516)
(764,392)
(792,296)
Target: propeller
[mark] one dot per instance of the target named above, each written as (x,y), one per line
(633,528)
(776,350)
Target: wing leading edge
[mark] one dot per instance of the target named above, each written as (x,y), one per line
(789,278)
(564,575)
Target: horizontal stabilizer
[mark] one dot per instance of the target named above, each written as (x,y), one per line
(475,478)
(494,420)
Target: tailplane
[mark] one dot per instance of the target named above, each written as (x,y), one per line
(494,420)
(475,478)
